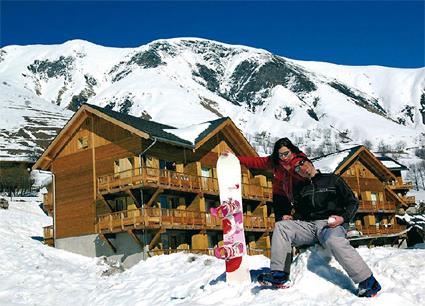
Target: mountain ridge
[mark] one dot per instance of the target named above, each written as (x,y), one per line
(263,93)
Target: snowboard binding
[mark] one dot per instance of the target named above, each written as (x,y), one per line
(229,251)
(227,208)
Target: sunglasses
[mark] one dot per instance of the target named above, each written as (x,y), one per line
(284,154)
(298,167)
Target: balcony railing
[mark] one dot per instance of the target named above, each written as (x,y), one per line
(48,235)
(410,200)
(387,229)
(172,219)
(173,180)
(48,201)
(375,206)
(400,185)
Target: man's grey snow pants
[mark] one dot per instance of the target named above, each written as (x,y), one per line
(290,233)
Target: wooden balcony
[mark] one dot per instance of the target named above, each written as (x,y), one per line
(48,202)
(375,206)
(155,218)
(395,185)
(409,200)
(48,235)
(160,178)
(388,229)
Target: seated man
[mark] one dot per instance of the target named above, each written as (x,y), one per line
(322,204)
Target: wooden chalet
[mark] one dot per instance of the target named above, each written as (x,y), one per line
(371,182)
(128,187)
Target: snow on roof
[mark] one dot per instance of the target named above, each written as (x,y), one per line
(329,163)
(390,164)
(189,133)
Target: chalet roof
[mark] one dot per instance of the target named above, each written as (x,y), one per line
(159,130)
(391,163)
(331,162)
(339,161)
(191,137)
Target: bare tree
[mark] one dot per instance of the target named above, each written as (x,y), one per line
(420,152)
(368,144)
(16,181)
(413,175)
(383,147)
(421,172)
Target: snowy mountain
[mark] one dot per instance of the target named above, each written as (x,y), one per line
(35,274)
(28,123)
(189,80)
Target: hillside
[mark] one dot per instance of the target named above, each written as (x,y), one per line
(186,81)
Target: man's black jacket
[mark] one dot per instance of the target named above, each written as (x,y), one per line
(324,195)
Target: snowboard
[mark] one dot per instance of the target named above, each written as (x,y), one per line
(233,250)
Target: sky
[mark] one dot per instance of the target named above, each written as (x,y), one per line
(387,33)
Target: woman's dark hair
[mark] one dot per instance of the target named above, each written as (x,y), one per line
(283,142)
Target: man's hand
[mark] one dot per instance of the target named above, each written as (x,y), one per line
(335,220)
(287,217)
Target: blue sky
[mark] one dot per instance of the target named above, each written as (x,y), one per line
(388,33)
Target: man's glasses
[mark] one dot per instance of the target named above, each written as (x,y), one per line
(298,167)
(284,154)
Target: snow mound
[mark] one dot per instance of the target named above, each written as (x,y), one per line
(35,274)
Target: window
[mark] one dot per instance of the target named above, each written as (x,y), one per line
(121,204)
(206,172)
(374,197)
(164,202)
(167,165)
(174,201)
(83,143)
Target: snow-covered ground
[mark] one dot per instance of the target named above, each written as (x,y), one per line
(34,274)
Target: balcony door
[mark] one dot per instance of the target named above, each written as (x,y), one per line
(374,198)
(123,167)
(207,174)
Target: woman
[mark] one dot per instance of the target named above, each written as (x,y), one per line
(283,176)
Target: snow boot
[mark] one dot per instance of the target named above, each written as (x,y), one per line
(275,279)
(369,287)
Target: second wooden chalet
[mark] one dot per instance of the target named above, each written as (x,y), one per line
(128,187)
(371,182)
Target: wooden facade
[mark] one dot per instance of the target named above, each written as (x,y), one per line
(110,180)
(114,176)
(372,184)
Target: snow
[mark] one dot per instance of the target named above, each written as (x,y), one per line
(189,133)
(35,274)
(328,164)
(390,164)
(418,194)
(172,94)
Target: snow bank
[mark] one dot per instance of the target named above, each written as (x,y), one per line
(34,274)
